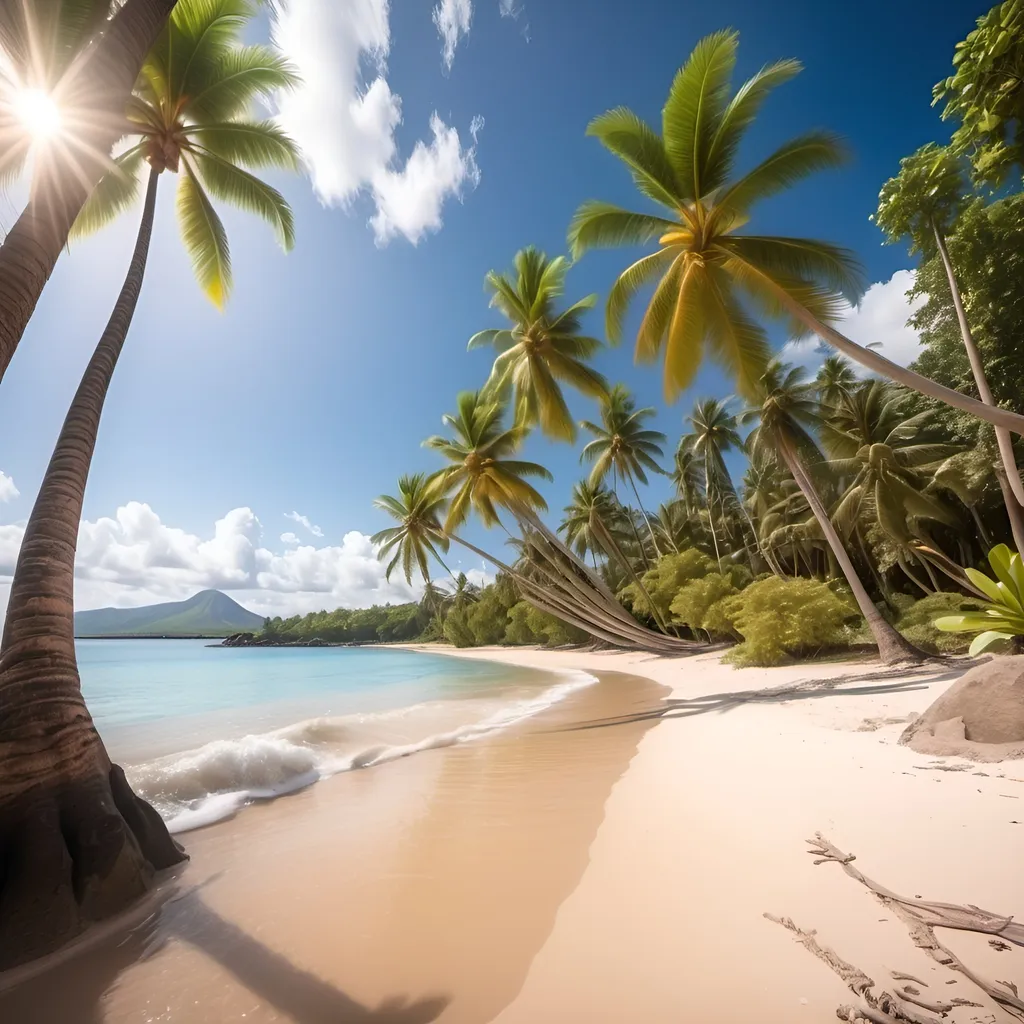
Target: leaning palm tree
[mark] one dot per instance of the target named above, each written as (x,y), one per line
(91,92)
(419,536)
(114,839)
(923,202)
(543,347)
(786,415)
(623,447)
(483,477)
(706,269)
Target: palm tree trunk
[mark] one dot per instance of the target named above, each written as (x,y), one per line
(1003,439)
(869,562)
(647,518)
(993,414)
(711,514)
(636,534)
(1012,508)
(75,841)
(892,647)
(100,84)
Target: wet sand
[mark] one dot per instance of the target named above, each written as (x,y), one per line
(410,892)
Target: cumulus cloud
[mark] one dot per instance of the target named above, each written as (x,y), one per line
(880,321)
(346,125)
(8,492)
(290,539)
(303,521)
(452,18)
(135,558)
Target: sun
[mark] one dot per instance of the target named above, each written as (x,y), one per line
(38,113)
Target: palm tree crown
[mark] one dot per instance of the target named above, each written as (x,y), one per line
(418,508)
(706,271)
(588,503)
(483,476)
(191,115)
(543,346)
(622,445)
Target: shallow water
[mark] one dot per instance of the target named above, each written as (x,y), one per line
(204,731)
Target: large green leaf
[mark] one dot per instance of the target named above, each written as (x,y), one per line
(116,191)
(985,640)
(628,283)
(251,143)
(242,74)
(598,225)
(204,237)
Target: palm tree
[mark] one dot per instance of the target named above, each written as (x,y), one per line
(623,447)
(714,433)
(705,269)
(483,477)
(589,503)
(91,93)
(418,507)
(888,460)
(836,380)
(923,202)
(115,838)
(463,592)
(688,477)
(543,346)
(786,415)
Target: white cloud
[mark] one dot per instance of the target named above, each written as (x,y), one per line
(8,492)
(290,539)
(134,558)
(509,8)
(346,128)
(304,521)
(880,320)
(452,18)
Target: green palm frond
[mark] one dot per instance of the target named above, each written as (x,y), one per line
(242,74)
(116,192)
(253,143)
(597,225)
(637,144)
(205,239)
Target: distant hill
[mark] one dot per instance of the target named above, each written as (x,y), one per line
(208,613)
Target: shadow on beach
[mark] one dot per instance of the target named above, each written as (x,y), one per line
(73,993)
(808,689)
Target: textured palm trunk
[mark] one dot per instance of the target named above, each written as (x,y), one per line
(647,518)
(76,844)
(1015,499)
(993,414)
(711,513)
(892,647)
(94,91)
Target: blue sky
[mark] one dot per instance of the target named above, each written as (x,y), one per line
(315,387)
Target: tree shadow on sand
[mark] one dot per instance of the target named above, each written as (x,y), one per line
(807,689)
(72,993)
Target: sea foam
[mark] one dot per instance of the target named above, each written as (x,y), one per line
(199,787)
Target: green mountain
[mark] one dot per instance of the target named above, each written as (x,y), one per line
(208,613)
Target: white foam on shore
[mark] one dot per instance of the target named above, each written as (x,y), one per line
(199,787)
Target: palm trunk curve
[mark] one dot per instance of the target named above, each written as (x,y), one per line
(76,844)
(892,647)
(100,84)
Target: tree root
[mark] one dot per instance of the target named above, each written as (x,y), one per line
(922,917)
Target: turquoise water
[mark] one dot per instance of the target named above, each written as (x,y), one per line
(203,731)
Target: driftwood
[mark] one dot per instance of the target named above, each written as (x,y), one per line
(922,917)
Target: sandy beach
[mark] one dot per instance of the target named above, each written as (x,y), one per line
(611,861)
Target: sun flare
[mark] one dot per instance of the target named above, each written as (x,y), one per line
(38,113)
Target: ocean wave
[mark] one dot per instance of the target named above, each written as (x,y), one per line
(215,781)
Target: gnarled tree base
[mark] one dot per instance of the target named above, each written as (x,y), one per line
(73,852)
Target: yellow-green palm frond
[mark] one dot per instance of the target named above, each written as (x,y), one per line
(116,192)
(205,239)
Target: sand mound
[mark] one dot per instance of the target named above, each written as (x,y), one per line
(980,717)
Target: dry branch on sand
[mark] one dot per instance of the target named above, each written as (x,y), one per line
(921,917)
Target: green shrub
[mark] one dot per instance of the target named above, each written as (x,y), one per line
(779,618)
(555,632)
(664,581)
(456,629)
(487,619)
(917,622)
(518,631)
(694,600)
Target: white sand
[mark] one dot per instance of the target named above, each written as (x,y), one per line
(705,832)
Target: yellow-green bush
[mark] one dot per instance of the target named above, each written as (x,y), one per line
(664,581)
(528,625)
(916,622)
(695,599)
(780,618)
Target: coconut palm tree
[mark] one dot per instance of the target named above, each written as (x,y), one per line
(90,94)
(122,839)
(836,380)
(889,461)
(623,447)
(786,415)
(482,476)
(543,346)
(419,537)
(923,202)
(688,477)
(707,271)
(713,434)
(463,592)
(588,503)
